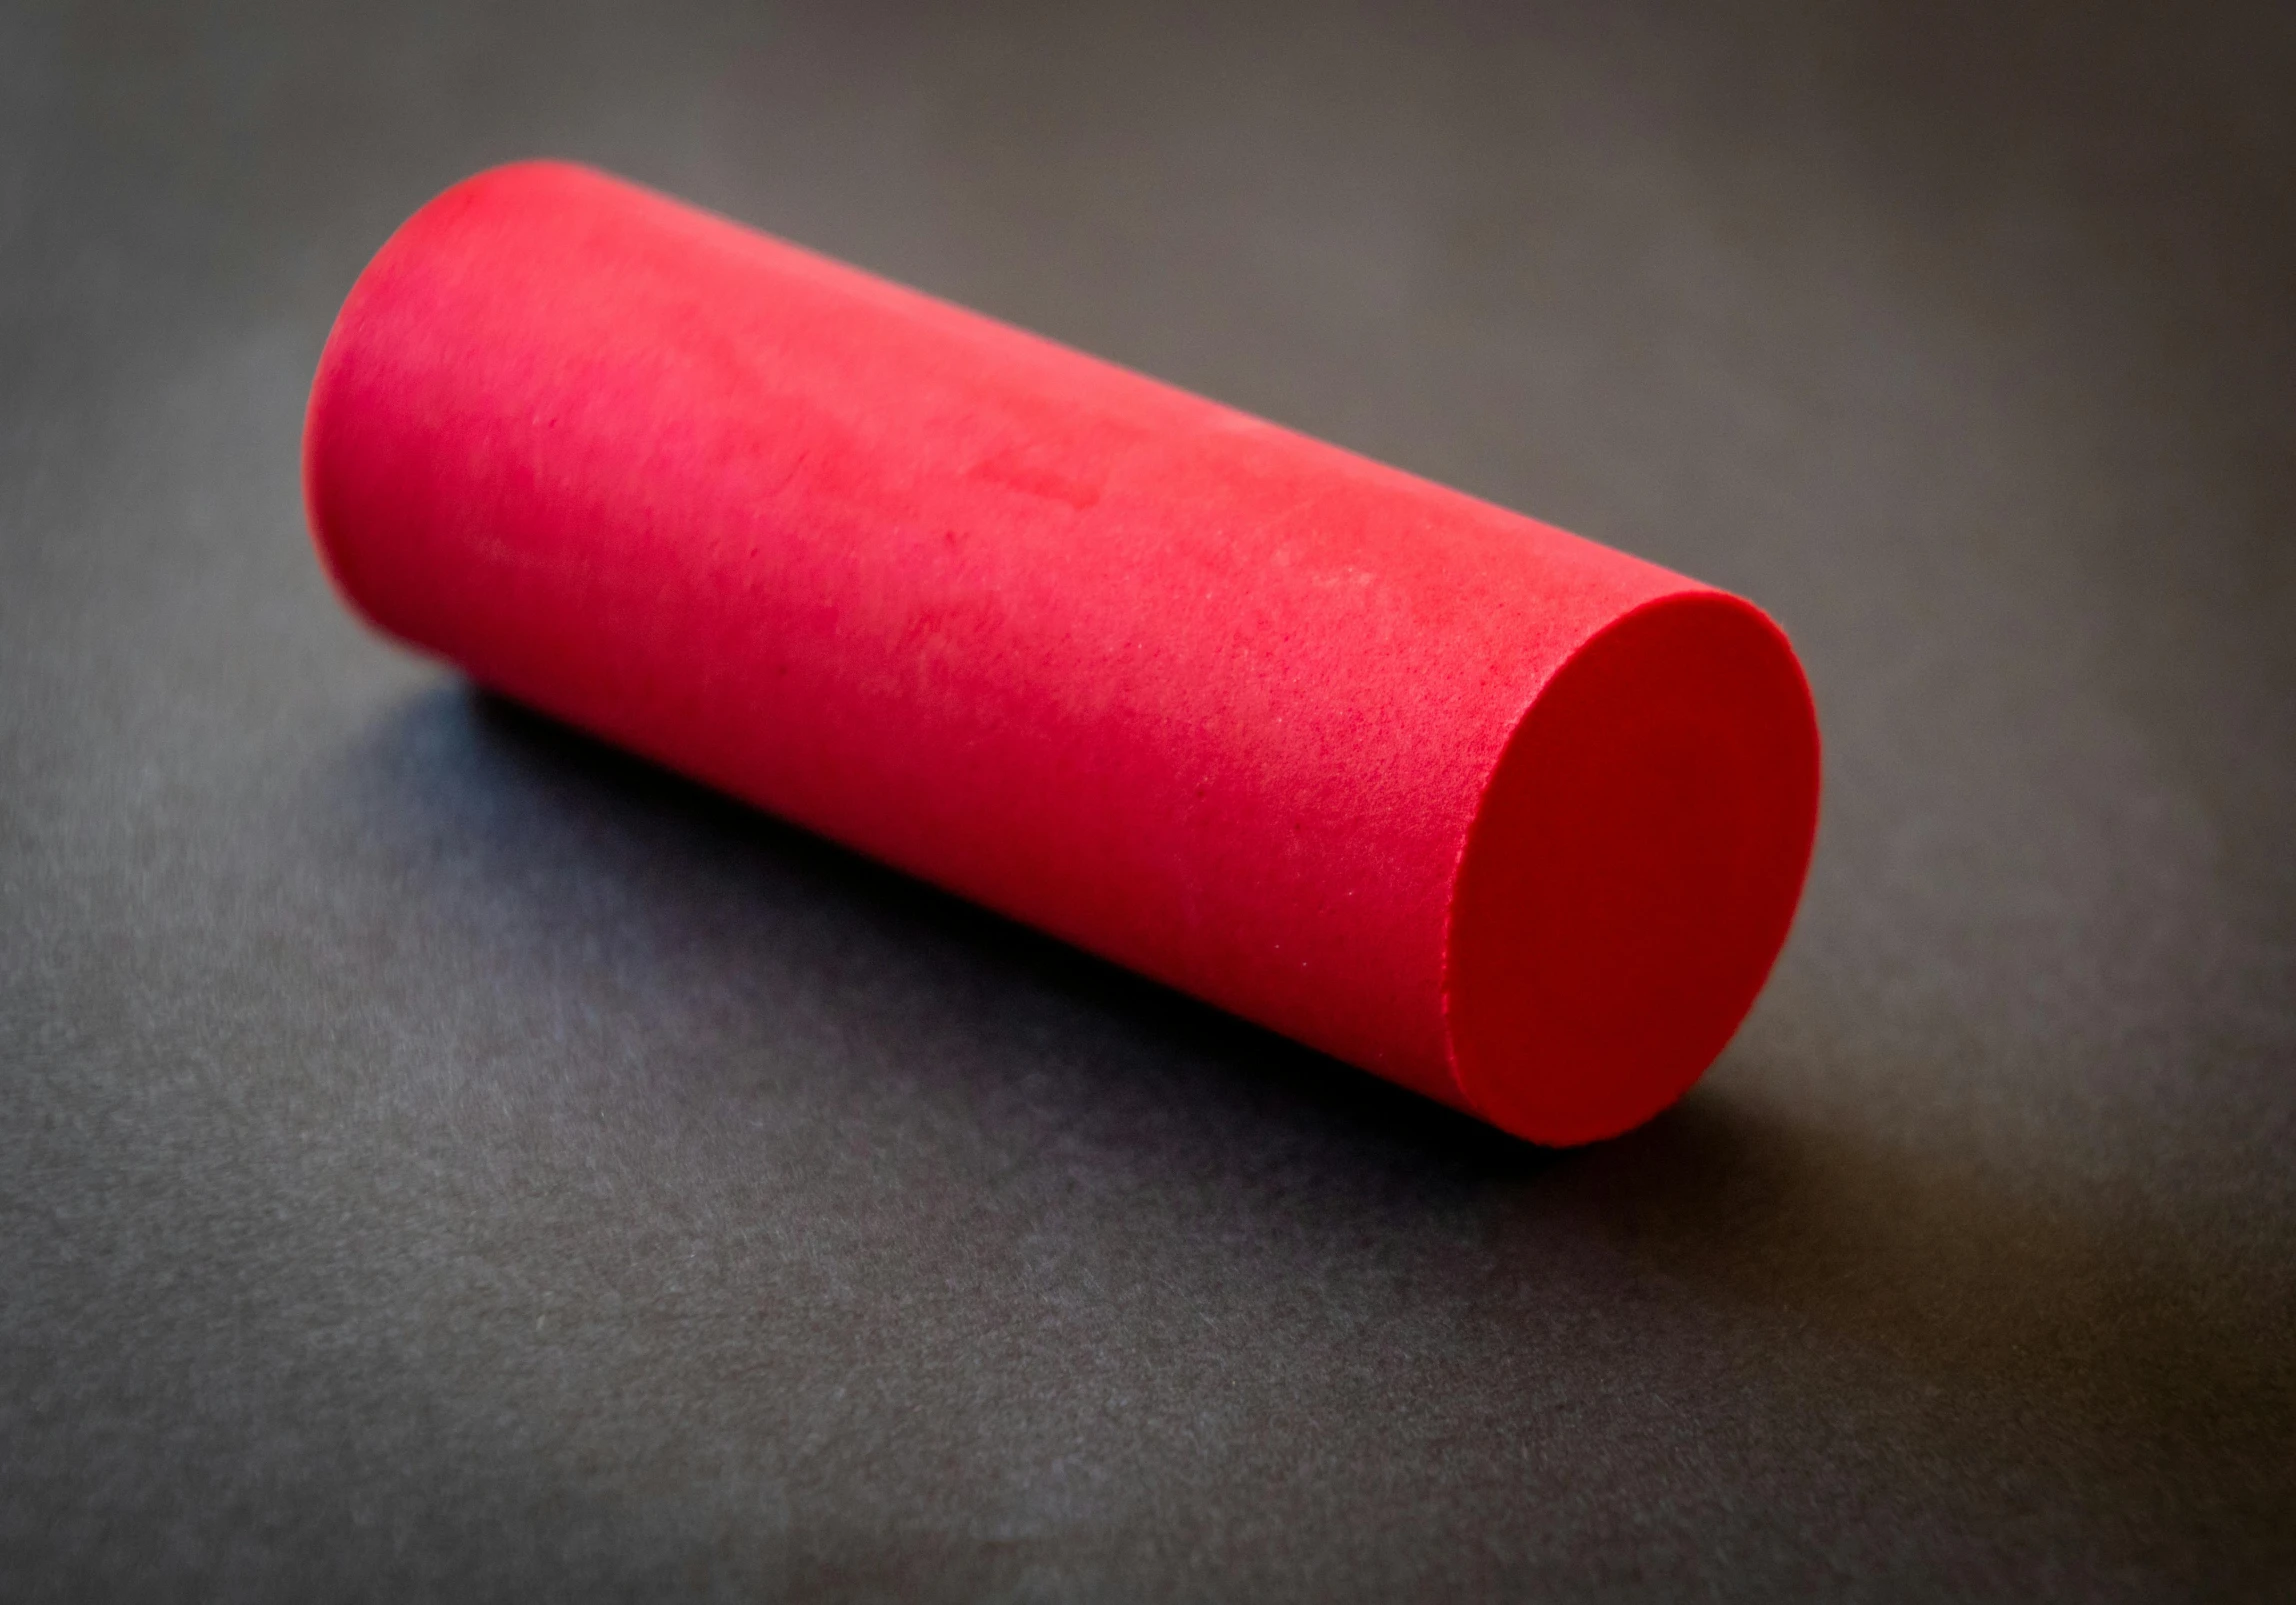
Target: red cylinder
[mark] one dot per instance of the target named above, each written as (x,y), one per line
(1510,818)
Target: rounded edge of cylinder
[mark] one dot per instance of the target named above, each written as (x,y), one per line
(321,406)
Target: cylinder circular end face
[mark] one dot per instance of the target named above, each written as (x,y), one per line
(1632,870)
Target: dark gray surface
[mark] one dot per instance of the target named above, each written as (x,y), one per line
(441,1158)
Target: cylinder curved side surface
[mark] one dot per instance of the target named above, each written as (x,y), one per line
(1227,705)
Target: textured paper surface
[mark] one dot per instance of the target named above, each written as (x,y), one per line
(445,1159)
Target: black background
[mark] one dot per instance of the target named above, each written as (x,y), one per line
(441,1157)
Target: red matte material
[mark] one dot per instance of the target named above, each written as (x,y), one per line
(1513,819)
